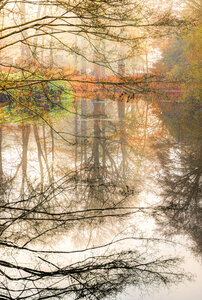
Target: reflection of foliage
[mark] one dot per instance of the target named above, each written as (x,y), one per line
(63,205)
(43,215)
(183,120)
(32,96)
(181,190)
(93,278)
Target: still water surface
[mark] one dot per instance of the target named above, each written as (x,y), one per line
(102,204)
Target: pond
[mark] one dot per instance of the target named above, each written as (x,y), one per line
(102,203)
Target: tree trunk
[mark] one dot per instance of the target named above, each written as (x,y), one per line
(25,140)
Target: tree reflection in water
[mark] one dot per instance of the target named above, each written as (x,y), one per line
(93,278)
(180,181)
(89,193)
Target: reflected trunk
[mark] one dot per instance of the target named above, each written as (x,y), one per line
(25,140)
(121,114)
